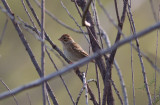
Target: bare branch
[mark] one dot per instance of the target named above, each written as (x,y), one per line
(29,99)
(57,20)
(82,61)
(155,83)
(124,90)
(153,10)
(75,21)
(9,91)
(85,87)
(98,85)
(84,22)
(3,32)
(61,78)
(140,58)
(43,49)
(117,92)
(79,95)
(28,49)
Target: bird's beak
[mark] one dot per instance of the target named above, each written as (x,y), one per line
(59,39)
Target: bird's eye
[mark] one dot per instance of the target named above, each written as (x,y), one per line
(65,39)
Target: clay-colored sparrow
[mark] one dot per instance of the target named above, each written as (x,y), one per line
(72,50)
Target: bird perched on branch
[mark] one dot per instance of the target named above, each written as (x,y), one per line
(71,49)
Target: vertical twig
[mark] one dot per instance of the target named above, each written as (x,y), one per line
(98,85)
(30,18)
(133,89)
(3,32)
(132,70)
(153,10)
(117,68)
(110,18)
(79,95)
(155,79)
(60,52)
(117,92)
(85,10)
(49,103)
(56,19)
(93,38)
(118,71)
(117,14)
(29,99)
(124,90)
(75,21)
(140,57)
(28,49)
(107,89)
(43,48)
(61,78)
(156,57)
(85,87)
(97,21)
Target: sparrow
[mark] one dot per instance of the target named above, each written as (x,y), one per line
(71,49)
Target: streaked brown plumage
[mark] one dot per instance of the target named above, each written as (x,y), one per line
(72,50)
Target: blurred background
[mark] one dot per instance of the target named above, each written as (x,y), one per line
(16,68)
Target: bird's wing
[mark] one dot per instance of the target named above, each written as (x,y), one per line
(78,50)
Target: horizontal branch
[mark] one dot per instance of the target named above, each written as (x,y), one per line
(81,62)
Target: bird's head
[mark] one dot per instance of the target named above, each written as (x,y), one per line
(65,39)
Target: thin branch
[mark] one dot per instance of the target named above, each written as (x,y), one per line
(120,25)
(43,49)
(85,87)
(124,90)
(30,18)
(9,91)
(84,22)
(110,18)
(3,32)
(29,99)
(155,84)
(98,85)
(117,92)
(28,49)
(93,37)
(132,70)
(97,21)
(153,10)
(56,19)
(49,103)
(79,74)
(46,36)
(116,8)
(107,96)
(155,79)
(81,62)
(58,50)
(116,66)
(140,58)
(75,2)
(61,78)
(106,37)
(75,21)
(79,95)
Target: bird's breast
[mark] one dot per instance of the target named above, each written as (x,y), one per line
(70,54)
